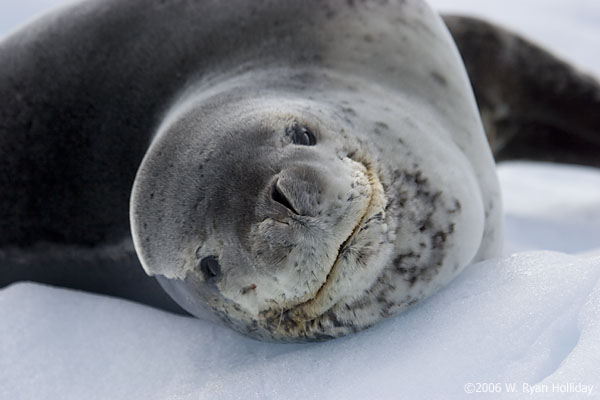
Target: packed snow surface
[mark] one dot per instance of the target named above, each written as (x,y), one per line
(526,325)
(528,319)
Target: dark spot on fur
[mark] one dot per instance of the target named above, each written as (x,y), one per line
(457,207)
(248,288)
(412,302)
(349,111)
(382,125)
(329,12)
(439,78)
(439,238)
(334,320)
(322,337)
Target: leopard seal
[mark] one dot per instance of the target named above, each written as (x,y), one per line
(302,169)
(297,170)
(325,186)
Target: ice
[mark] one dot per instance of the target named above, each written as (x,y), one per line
(541,214)
(523,319)
(531,318)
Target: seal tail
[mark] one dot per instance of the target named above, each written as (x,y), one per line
(533,105)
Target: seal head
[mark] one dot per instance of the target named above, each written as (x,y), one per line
(274,212)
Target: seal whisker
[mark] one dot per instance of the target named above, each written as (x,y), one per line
(280,319)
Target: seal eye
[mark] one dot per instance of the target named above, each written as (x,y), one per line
(303,136)
(210,268)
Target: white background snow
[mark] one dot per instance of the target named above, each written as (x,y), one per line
(528,318)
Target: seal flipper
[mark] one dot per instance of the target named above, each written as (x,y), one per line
(533,105)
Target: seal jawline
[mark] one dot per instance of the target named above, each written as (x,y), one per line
(319,305)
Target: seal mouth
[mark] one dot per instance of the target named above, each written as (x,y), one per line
(321,302)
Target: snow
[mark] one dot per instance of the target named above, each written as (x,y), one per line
(540,215)
(528,318)
(523,319)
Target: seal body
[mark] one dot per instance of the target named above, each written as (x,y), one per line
(309,168)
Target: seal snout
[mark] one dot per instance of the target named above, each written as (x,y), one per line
(297,191)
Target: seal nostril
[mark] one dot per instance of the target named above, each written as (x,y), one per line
(210,268)
(280,198)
